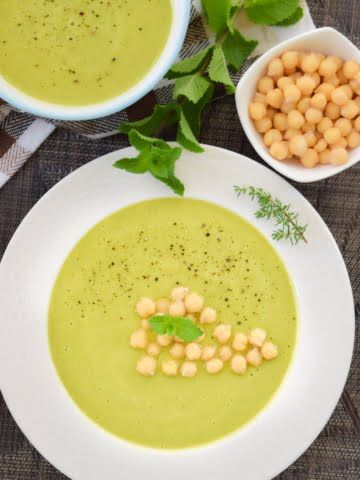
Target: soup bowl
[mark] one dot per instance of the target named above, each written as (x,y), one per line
(27,103)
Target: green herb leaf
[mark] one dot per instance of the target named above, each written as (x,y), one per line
(286,220)
(270,12)
(294,18)
(189,65)
(162,116)
(156,157)
(181,327)
(185,135)
(217,13)
(193,87)
(218,70)
(237,48)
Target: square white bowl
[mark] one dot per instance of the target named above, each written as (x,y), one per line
(325,40)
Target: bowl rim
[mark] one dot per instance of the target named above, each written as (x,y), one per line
(180,19)
(306,175)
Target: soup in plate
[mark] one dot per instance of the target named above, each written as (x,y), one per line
(76,52)
(143,252)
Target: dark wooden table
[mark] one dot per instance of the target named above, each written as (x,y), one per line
(336,452)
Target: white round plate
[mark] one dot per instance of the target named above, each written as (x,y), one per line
(81,449)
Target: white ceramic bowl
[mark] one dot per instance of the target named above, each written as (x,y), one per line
(325,40)
(24,102)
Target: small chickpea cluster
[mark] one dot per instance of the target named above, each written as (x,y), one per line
(308,107)
(182,358)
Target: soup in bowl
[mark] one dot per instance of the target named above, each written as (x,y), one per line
(76,60)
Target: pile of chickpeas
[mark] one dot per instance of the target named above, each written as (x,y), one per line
(182,358)
(308,107)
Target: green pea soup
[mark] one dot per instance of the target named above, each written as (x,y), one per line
(79,52)
(145,250)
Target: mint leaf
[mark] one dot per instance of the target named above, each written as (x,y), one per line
(294,18)
(181,327)
(193,87)
(193,111)
(270,12)
(237,48)
(189,65)
(185,135)
(217,13)
(162,116)
(218,70)
(156,157)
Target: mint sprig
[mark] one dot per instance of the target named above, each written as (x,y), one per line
(195,79)
(181,327)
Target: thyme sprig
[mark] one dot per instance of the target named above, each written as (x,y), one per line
(272,208)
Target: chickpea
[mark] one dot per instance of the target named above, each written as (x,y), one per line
(276,68)
(153,349)
(170,368)
(355,85)
(193,351)
(313,115)
(321,145)
(240,342)
(338,62)
(238,364)
(222,333)
(291,133)
(265,84)
(145,307)
(188,369)
(304,104)
(292,94)
(162,305)
(319,101)
(146,366)
(340,96)
(194,303)
(208,352)
(357,124)
(333,80)
(324,157)
(164,340)
(284,82)
(254,357)
(296,119)
(308,127)
(177,309)
(310,158)
(257,337)
(177,350)
(310,63)
(328,67)
(225,353)
(279,150)
(350,110)
(290,60)
(257,111)
(259,98)
(263,125)
(338,156)
(144,322)
(324,124)
(326,89)
(214,365)
(332,111)
(280,122)
(310,138)
(341,76)
(298,145)
(295,76)
(332,135)
(344,125)
(306,84)
(269,351)
(208,315)
(353,139)
(351,69)
(179,293)
(342,143)
(287,107)
(139,339)
(275,97)
(348,90)
(272,136)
